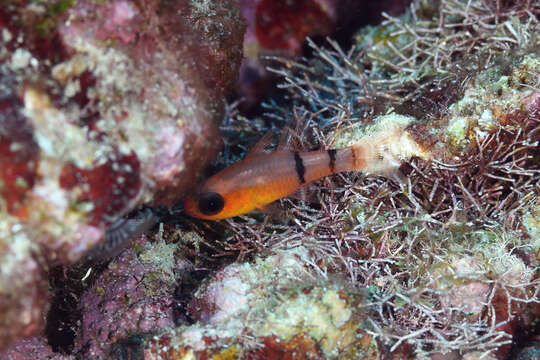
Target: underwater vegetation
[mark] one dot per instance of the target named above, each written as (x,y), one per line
(436,260)
(449,251)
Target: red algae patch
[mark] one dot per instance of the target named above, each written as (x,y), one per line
(108,187)
(19,155)
(283,25)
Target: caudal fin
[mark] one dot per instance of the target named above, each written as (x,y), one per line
(386,147)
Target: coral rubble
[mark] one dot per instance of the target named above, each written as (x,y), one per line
(272,309)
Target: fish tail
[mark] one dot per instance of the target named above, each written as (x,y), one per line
(383,151)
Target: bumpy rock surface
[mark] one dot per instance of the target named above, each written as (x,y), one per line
(103,106)
(134,295)
(275,308)
(32,348)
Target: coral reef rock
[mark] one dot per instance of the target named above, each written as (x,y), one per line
(274,308)
(104,105)
(134,295)
(32,348)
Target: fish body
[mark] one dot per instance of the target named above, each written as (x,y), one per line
(262,178)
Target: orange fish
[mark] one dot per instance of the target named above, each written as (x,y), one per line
(262,178)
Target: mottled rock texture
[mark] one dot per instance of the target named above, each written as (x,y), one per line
(283,308)
(104,105)
(134,295)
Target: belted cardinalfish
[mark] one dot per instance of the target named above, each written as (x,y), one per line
(261,178)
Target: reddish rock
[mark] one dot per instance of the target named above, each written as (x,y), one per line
(18,156)
(278,28)
(110,186)
(134,295)
(103,106)
(23,288)
(283,25)
(120,103)
(32,348)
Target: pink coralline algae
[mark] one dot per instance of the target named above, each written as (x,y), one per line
(278,305)
(103,106)
(23,288)
(18,156)
(134,295)
(32,348)
(123,15)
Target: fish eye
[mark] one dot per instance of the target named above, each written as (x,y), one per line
(210,203)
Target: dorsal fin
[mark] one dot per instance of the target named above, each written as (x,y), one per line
(261,145)
(287,141)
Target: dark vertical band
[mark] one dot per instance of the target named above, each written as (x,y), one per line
(332,163)
(353,155)
(300,169)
